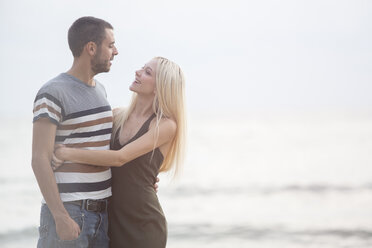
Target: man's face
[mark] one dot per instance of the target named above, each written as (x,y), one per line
(101,62)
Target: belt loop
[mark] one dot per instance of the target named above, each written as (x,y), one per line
(83,204)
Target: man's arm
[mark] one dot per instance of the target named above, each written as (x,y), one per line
(42,150)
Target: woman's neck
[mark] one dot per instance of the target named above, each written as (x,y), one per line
(143,107)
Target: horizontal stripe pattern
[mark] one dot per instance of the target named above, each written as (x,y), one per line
(90,129)
(77,185)
(88,124)
(65,197)
(86,131)
(46,105)
(88,112)
(93,144)
(77,177)
(83,187)
(53,101)
(84,120)
(77,137)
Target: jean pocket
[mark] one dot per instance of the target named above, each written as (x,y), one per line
(80,221)
(43,231)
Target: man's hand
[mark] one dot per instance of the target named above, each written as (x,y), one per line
(67,228)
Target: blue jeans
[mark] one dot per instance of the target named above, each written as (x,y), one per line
(93,226)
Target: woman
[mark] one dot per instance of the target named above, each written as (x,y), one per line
(148,138)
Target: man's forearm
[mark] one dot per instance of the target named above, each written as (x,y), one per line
(48,186)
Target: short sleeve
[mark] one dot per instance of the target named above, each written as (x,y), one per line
(46,105)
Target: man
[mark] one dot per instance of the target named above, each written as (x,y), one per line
(72,109)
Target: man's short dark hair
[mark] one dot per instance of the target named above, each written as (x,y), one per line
(84,30)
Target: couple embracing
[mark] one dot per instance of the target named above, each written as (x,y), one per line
(97,167)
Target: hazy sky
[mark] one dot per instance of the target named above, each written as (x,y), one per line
(238,55)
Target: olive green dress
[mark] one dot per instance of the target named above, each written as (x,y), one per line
(135,215)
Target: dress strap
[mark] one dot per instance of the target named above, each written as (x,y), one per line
(146,125)
(144,128)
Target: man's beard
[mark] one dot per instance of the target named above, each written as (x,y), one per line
(99,65)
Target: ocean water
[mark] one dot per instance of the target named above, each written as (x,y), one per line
(288,180)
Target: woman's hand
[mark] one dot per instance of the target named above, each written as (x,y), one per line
(156,186)
(56,161)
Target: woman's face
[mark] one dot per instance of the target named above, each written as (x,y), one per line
(144,82)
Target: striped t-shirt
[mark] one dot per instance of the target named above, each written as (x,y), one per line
(84,120)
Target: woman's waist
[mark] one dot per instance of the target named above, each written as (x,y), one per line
(133,187)
(133,178)
(145,202)
(134,192)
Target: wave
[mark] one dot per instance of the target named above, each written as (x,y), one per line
(13,235)
(213,232)
(183,191)
(206,232)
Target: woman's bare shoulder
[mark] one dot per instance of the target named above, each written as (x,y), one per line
(118,110)
(167,124)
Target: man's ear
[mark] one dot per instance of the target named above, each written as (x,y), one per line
(91,48)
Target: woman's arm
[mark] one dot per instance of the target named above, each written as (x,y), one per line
(142,145)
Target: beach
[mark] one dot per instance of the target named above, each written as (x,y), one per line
(288,180)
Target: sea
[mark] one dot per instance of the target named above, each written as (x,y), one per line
(254,179)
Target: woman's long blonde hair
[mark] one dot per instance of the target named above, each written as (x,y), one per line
(168,103)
